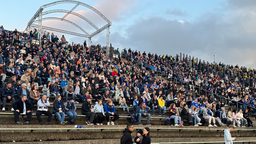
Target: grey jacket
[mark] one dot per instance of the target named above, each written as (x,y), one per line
(205,114)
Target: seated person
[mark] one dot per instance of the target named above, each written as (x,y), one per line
(42,108)
(185,114)
(70,110)
(18,106)
(174,115)
(23,91)
(142,111)
(161,105)
(7,95)
(34,95)
(55,89)
(122,102)
(110,110)
(99,112)
(86,110)
(59,109)
(153,104)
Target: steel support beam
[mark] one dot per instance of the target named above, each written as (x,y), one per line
(70,11)
(80,3)
(68,21)
(73,13)
(61,31)
(107,42)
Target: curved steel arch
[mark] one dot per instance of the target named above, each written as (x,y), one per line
(79,3)
(73,13)
(37,17)
(50,18)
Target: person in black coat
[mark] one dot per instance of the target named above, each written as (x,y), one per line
(18,106)
(185,114)
(128,98)
(59,110)
(127,138)
(146,137)
(86,110)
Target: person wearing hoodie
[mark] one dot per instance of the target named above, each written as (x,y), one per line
(127,137)
(146,137)
(227,136)
(70,107)
(138,139)
(86,110)
(99,112)
(110,110)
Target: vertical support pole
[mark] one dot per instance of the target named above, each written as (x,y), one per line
(180,57)
(40,28)
(107,43)
(89,42)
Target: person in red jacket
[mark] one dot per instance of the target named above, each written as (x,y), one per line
(175,116)
(114,73)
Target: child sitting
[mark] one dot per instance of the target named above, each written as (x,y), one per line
(122,103)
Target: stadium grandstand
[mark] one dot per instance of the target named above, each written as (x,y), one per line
(56,92)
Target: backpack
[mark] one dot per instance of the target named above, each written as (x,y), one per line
(134,118)
(167,121)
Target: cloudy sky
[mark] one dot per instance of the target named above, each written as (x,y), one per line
(199,28)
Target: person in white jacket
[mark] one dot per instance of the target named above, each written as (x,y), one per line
(99,112)
(227,136)
(42,108)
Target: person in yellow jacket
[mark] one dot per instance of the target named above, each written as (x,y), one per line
(161,105)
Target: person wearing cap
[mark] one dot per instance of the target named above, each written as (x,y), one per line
(146,137)
(138,139)
(42,108)
(86,110)
(70,108)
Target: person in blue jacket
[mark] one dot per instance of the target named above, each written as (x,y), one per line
(110,110)
(59,110)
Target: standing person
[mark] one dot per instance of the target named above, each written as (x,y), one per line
(138,139)
(99,112)
(59,109)
(70,107)
(42,108)
(86,110)
(146,137)
(227,136)
(127,138)
(22,106)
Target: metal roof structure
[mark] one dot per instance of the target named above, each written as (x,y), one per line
(39,16)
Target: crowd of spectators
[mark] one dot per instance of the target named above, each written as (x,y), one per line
(185,89)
